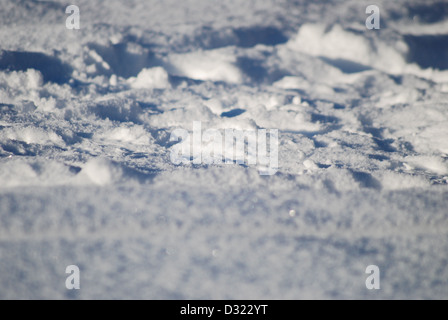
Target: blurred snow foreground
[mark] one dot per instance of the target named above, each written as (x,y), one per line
(86,176)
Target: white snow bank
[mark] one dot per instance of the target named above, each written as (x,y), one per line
(30,79)
(133,134)
(432,164)
(213,65)
(345,47)
(101,171)
(154,78)
(337,43)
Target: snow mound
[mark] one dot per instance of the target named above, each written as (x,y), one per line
(154,78)
(212,65)
(101,171)
(344,46)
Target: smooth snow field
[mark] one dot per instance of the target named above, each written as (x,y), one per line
(100,168)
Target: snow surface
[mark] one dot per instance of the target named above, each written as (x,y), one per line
(85,171)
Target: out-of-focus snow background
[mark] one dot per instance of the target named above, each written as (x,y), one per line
(85,171)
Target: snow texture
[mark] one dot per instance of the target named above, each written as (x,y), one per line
(86,177)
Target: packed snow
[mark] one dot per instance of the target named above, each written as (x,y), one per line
(88,122)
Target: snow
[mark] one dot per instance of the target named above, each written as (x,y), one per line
(314,39)
(90,120)
(156,78)
(213,65)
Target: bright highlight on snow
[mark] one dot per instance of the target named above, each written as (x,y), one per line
(231,146)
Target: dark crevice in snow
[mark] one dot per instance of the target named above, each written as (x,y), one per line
(84,135)
(253,69)
(378,157)
(138,175)
(438,180)
(232,113)
(177,81)
(21,148)
(250,37)
(149,107)
(320,118)
(123,59)
(430,12)
(428,51)
(366,180)
(319,144)
(161,137)
(245,37)
(346,66)
(338,106)
(383,144)
(52,69)
(74,169)
(6,106)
